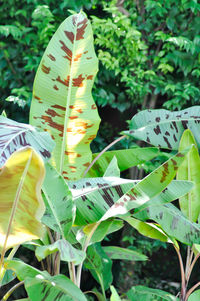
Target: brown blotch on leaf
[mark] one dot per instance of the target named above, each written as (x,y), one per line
(64,82)
(53,124)
(67,51)
(175,126)
(51,57)
(165,172)
(73,117)
(52,113)
(167,141)
(69,35)
(184,124)
(55,88)
(157,130)
(45,69)
(89,58)
(36,97)
(78,82)
(179,155)
(174,137)
(157,119)
(167,133)
(90,77)
(93,107)
(81,30)
(86,164)
(59,107)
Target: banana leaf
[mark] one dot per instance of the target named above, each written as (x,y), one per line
(15,135)
(21,204)
(142,293)
(163,128)
(62,103)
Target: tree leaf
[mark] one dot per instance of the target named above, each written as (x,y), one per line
(62,102)
(164,128)
(67,252)
(147,229)
(57,197)
(114,295)
(189,170)
(15,135)
(21,206)
(142,293)
(146,189)
(124,254)
(126,158)
(195,296)
(112,170)
(8,277)
(174,223)
(94,196)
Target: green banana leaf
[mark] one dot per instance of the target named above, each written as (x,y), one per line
(62,103)
(41,286)
(67,252)
(126,158)
(21,204)
(142,293)
(124,254)
(146,189)
(163,128)
(113,169)
(15,135)
(173,222)
(195,296)
(114,296)
(190,170)
(57,197)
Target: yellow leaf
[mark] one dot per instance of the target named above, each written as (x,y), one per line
(21,203)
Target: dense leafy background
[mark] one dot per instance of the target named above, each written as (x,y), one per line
(149,58)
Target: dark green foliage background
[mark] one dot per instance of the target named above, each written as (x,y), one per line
(148,52)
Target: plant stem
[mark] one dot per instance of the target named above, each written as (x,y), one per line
(72,272)
(191,267)
(191,290)
(103,151)
(79,269)
(183,282)
(7,295)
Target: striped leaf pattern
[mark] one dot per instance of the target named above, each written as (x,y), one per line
(62,102)
(15,135)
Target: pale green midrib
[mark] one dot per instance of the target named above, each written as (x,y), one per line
(16,201)
(54,213)
(67,106)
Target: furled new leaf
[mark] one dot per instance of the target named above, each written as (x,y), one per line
(190,170)
(67,252)
(164,128)
(21,204)
(126,158)
(149,187)
(143,293)
(62,102)
(173,222)
(60,208)
(15,135)
(124,254)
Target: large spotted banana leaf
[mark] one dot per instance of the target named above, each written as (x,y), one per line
(21,204)
(164,128)
(62,103)
(15,135)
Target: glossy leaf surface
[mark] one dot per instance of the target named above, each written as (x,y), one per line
(60,208)
(190,170)
(126,158)
(142,293)
(21,206)
(15,135)
(62,102)
(164,128)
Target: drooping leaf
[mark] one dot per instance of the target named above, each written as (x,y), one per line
(67,252)
(164,128)
(21,204)
(15,135)
(62,102)
(8,277)
(195,296)
(173,222)
(143,293)
(190,170)
(147,229)
(58,288)
(94,196)
(149,187)
(112,170)
(126,158)
(100,265)
(114,295)
(60,208)
(41,286)
(124,254)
